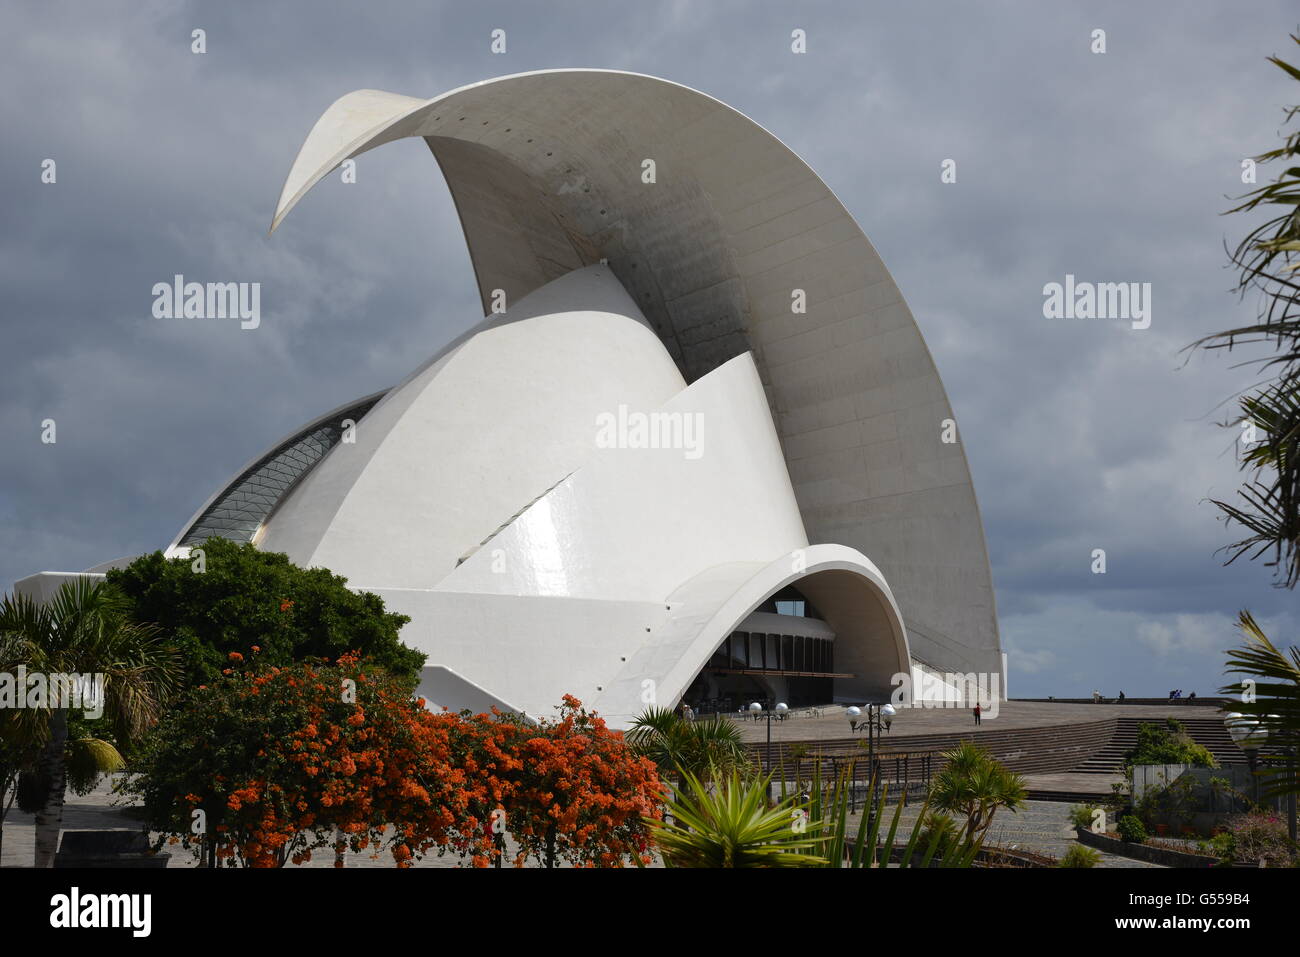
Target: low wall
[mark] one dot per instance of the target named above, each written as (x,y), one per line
(1143,852)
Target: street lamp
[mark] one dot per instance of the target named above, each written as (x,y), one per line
(756,709)
(875,724)
(1250,734)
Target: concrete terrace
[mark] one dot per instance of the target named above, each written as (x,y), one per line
(1012,715)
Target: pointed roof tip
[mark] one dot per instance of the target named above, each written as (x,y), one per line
(350,126)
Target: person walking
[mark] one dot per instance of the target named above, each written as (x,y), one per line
(977,711)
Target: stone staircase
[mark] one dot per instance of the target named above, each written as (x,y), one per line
(1023,750)
(1207,731)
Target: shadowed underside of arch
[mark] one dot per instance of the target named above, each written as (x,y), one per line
(714,228)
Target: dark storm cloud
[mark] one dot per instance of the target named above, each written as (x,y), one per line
(1081,435)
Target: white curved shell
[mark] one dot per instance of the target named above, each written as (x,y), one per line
(547,172)
(479,497)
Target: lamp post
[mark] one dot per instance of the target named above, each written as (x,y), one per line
(876,715)
(1250,734)
(756,709)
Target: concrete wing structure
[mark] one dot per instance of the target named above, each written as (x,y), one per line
(651,473)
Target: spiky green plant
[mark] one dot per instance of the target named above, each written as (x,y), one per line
(976,785)
(731,825)
(829,810)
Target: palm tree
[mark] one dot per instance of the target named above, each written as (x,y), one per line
(85,630)
(1275,703)
(22,730)
(1266,262)
(974,784)
(681,747)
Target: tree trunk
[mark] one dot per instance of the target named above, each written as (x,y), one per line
(53,766)
(8,791)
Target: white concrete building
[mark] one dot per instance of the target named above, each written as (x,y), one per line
(660,471)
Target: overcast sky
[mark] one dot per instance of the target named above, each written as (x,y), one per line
(1112,167)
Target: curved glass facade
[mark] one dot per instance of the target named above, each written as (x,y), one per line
(239,511)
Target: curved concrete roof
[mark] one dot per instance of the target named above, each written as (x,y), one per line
(547,170)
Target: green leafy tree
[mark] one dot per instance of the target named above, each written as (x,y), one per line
(1167,744)
(239,597)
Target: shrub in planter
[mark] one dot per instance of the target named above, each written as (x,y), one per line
(1131,830)
(1081,816)
(1079,856)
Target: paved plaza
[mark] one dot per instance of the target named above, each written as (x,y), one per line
(832,722)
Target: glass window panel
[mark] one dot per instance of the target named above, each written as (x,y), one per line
(246,503)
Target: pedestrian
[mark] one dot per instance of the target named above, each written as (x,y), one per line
(977,711)
(1121,696)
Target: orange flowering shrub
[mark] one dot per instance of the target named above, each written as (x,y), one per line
(582,795)
(269,764)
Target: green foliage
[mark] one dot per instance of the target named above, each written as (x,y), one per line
(1266,262)
(1131,829)
(84,630)
(1170,744)
(731,825)
(941,827)
(1175,801)
(974,784)
(1223,846)
(247,598)
(1274,703)
(88,758)
(934,840)
(1081,815)
(697,748)
(1079,856)
(22,730)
